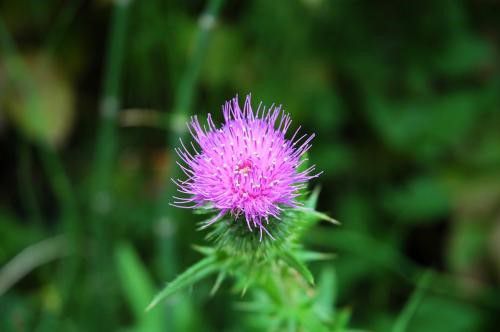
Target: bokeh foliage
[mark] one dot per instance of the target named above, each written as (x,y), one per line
(404,98)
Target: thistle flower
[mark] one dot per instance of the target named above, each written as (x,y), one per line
(247,167)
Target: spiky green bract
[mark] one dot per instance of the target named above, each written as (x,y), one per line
(233,236)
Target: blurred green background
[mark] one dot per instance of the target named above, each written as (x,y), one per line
(404,98)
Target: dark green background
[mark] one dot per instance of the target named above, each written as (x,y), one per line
(404,97)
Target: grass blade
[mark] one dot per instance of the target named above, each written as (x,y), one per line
(193,274)
(137,287)
(412,304)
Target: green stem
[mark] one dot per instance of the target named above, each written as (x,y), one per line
(26,187)
(110,103)
(62,188)
(67,201)
(186,92)
(182,107)
(106,147)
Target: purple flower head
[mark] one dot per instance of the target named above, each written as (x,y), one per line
(247,167)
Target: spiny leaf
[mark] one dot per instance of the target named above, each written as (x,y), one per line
(220,278)
(319,215)
(193,274)
(245,287)
(207,251)
(312,200)
(298,265)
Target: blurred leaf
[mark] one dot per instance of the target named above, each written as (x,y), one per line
(32,257)
(326,294)
(357,211)
(468,244)
(421,201)
(423,128)
(14,236)
(375,252)
(411,306)
(341,320)
(138,287)
(464,54)
(43,107)
(193,274)
(296,264)
(446,315)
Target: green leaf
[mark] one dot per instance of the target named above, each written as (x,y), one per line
(298,265)
(326,294)
(318,215)
(412,304)
(207,251)
(312,200)
(342,320)
(193,274)
(421,200)
(440,312)
(464,54)
(138,287)
(37,114)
